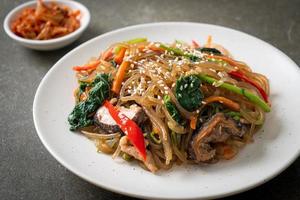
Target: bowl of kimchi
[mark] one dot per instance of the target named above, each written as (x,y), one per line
(47,25)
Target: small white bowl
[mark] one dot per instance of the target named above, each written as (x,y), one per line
(50,44)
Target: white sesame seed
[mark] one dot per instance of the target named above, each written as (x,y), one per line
(213,70)
(178,45)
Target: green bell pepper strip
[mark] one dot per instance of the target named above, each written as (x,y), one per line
(136,40)
(132,41)
(179,52)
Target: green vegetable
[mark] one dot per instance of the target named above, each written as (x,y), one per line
(188,92)
(250,96)
(219,61)
(82,87)
(216,107)
(132,41)
(234,115)
(154,138)
(127,157)
(113,63)
(176,51)
(179,52)
(136,40)
(172,109)
(175,138)
(210,50)
(81,116)
(179,42)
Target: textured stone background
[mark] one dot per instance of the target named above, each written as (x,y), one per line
(28,171)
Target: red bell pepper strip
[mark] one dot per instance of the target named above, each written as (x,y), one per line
(241,75)
(87,67)
(195,44)
(129,127)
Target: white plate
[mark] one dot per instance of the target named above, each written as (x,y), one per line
(274,149)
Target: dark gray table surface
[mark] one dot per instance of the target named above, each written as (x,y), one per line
(28,171)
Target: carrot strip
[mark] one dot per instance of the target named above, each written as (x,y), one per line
(119,77)
(141,47)
(120,55)
(155,129)
(107,54)
(193,122)
(227,102)
(155,48)
(228,152)
(87,67)
(208,42)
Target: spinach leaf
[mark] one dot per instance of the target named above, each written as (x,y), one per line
(82,87)
(172,110)
(113,63)
(209,50)
(188,92)
(193,58)
(81,116)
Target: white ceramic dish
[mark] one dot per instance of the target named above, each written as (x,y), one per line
(52,43)
(276,146)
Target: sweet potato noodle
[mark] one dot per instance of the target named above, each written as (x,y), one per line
(164,104)
(46,21)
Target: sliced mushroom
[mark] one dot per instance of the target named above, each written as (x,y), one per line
(131,150)
(104,120)
(216,130)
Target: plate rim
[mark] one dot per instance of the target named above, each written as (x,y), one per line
(142,25)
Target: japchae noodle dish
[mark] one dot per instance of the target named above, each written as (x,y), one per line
(163,104)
